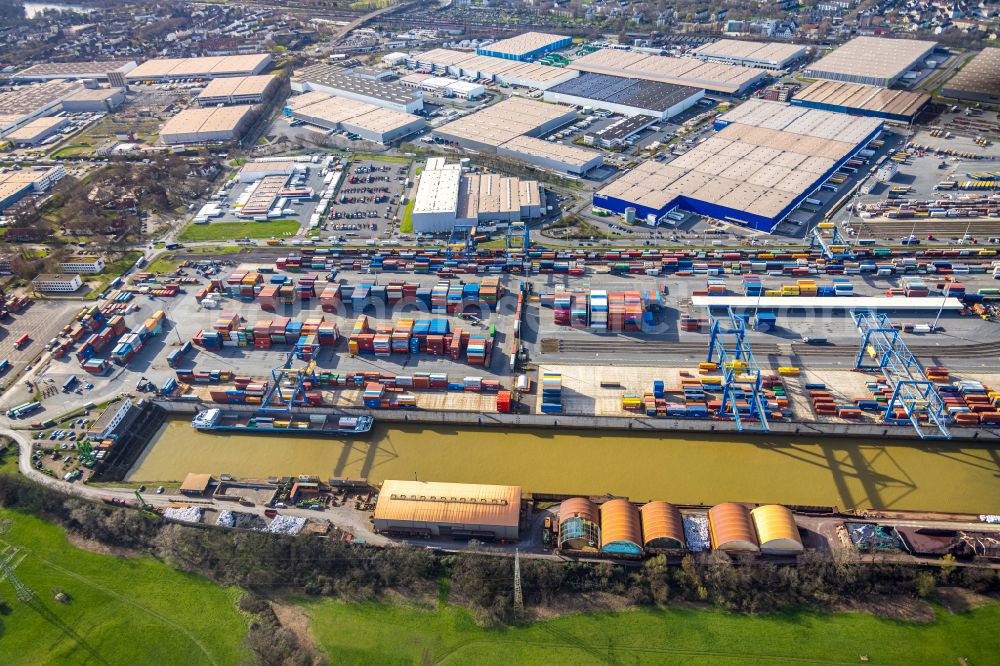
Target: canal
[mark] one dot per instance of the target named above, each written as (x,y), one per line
(694,468)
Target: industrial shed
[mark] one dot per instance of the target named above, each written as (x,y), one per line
(717,77)
(478,67)
(621,533)
(225,123)
(562,158)
(876,61)
(979,80)
(370,122)
(448,509)
(37,130)
(579,525)
(765,160)
(862,100)
(526,46)
(764,55)
(209,67)
(94,100)
(238,90)
(629,97)
(776,530)
(662,526)
(333,81)
(95,69)
(731,528)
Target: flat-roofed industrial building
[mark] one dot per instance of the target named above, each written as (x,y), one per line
(226,123)
(861,100)
(762,55)
(209,67)
(510,128)
(629,97)
(14,185)
(96,69)
(27,102)
(618,132)
(238,90)
(36,131)
(94,100)
(85,265)
(370,122)
(563,158)
(422,508)
(979,80)
(874,61)
(443,86)
(447,196)
(458,64)
(525,47)
(331,80)
(714,77)
(765,160)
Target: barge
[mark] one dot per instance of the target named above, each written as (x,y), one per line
(301,424)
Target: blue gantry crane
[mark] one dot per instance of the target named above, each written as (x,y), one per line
(742,394)
(273,402)
(518,239)
(462,243)
(883,349)
(831,242)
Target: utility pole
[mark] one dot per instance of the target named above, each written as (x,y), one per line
(518,597)
(23,592)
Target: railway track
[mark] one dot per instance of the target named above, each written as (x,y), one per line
(634,347)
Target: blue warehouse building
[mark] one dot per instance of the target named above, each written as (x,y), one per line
(525,47)
(766,159)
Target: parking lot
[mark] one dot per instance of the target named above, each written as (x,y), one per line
(368,201)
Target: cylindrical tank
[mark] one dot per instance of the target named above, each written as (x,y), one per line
(630,215)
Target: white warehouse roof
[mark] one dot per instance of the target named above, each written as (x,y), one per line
(928,303)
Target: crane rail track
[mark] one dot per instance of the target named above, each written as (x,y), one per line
(631,346)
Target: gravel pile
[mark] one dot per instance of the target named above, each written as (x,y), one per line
(696,532)
(241,520)
(286,525)
(188,514)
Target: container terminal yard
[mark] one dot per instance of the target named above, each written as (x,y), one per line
(808,362)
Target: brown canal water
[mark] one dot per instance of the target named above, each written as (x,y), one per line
(693,468)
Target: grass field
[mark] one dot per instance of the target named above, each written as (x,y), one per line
(220,231)
(382,634)
(406,224)
(72,150)
(165,264)
(120,610)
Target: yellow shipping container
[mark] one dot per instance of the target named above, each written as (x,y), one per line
(708,365)
(789,372)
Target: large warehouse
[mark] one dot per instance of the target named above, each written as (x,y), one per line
(27,102)
(370,122)
(763,55)
(621,532)
(421,508)
(862,100)
(16,184)
(776,530)
(330,80)
(874,61)
(446,196)
(486,68)
(225,123)
(662,527)
(731,528)
(36,131)
(510,127)
(979,80)
(629,97)
(210,67)
(443,86)
(766,159)
(94,100)
(525,47)
(238,90)
(715,77)
(73,70)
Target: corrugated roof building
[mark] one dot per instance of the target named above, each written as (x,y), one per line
(662,526)
(448,509)
(731,528)
(621,533)
(776,530)
(579,525)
